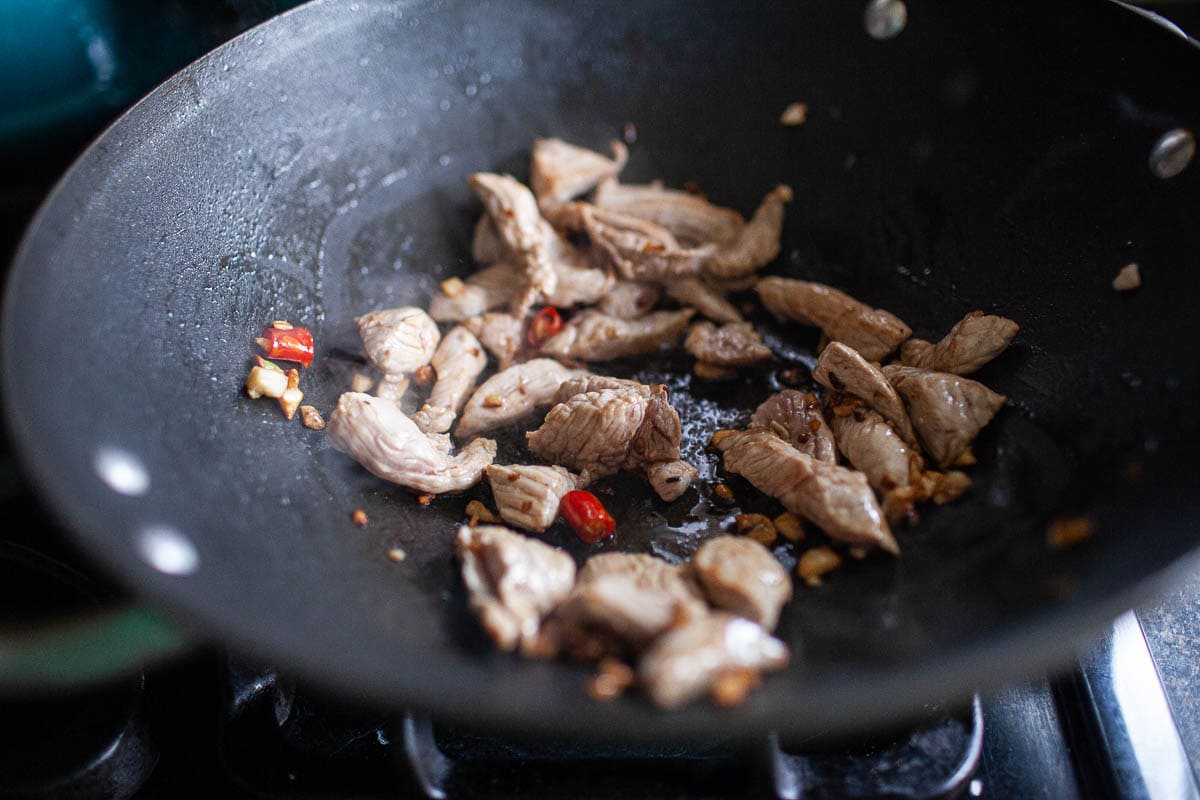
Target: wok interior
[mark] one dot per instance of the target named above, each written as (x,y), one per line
(318,171)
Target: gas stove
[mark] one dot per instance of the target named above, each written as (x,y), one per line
(1123,721)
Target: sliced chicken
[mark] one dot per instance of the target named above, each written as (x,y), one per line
(974,341)
(689,217)
(740,575)
(525,235)
(560,171)
(636,249)
(500,333)
(486,290)
(512,394)
(683,664)
(376,434)
(629,599)
(597,383)
(842,369)
(702,296)
(394,389)
(873,447)
(398,340)
(797,418)
(579,285)
(486,245)
(528,496)
(513,581)
(670,479)
(947,411)
(837,499)
(629,299)
(872,332)
(758,242)
(732,345)
(457,362)
(657,437)
(591,432)
(593,336)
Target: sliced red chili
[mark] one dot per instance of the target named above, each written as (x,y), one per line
(544,325)
(584,512)
(294,344)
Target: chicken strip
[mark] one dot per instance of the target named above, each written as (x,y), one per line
(947,411)
(837,499)
(597,383)
(591,432)
(670,479)
(842,369)
(457,362)
(376,434)
(500,333)
(486,245)
(733,345)
(689,217)
(398,340)
(796,417)
(593,336)
(637,249)
(658,435)
(703,297)
(560,171)
(512,394)
(757,244)
(740,575)
(629,299)
(525,235)
(872,332)
(513,581)
(578,285)
(974,341)
(874,448)
(528,496)
(684,663)
(484,291)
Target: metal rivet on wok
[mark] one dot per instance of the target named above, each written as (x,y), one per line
(885,18)
(121,471)
(1172,153)
(168,550)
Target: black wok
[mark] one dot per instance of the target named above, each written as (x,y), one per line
(992,155)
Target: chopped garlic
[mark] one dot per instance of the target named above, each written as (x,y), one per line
(264,382)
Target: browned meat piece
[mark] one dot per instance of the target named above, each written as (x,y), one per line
(376,434)
(872,332)
(703,297)
(512,394)
(560,171)
(593,336)
(458,361)
(629,299)
(657,438)
(974,341)
(398,340)
(486,247)
(689,217)
(873,447)
(500,333)
(911,350)
(597,383)
(637,249)
(740,575)
(528,497)
(629,599)
(758,242)
(683,663)
(837,499)
(842,369)
(670,479)
(513,581)
(948,411)
(796,417)
(733,345)
(591,432)
(578,285)
(486,290)
(525,235)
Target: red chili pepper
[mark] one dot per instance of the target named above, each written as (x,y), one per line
(584,512)
(295,344)
(543,326)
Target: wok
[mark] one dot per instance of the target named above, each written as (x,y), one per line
(990,155)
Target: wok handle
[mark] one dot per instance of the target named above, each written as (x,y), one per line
(102,646)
